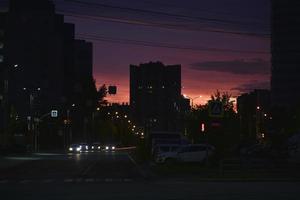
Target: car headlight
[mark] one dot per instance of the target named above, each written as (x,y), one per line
(113,148)
(106,147)
(78,148)
(93,147)
(98,147)
(87,147)
(70,149)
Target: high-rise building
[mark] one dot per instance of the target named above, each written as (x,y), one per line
(43,67)
(285,84)
(155,96)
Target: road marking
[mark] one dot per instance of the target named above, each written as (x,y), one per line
(88,169)
(25,181)
(137,166)
(3,181)
(108,180)
(89,180)
(127,180)
(48,181)
(78,180)
(68,180)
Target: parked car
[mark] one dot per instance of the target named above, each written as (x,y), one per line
(293,148)
(195,153)
(166,152)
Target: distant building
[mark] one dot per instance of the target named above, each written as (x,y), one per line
(254,113)
(285,85)
(155,96)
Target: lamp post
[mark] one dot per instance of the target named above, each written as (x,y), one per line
(32,93)
(5,97)
(192,99)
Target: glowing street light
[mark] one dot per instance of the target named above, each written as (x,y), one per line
(192,98)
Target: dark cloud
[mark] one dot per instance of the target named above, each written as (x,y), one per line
(248,87)
(241,67)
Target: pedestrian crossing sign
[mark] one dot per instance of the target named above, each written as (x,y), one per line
(216,109)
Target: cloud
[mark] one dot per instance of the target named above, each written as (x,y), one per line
(248,87)
(239,67)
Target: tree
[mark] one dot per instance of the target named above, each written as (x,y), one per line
(102,93)
(225,135)
(225,98)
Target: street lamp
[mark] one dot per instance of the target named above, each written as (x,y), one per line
(32,94)
(192,98)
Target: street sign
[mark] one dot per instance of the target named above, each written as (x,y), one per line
(216,109)
(54,113)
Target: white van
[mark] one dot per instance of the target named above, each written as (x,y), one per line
(195,153)
(164,152)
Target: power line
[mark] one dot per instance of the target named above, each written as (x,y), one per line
(144,11)
(159,25)
(162,45)
(209,11)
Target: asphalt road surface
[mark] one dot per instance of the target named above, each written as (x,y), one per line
(72,167)
(115,175)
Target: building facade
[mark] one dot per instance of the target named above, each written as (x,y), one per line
(155,96)
(254,114)
(44,67)
(285,82)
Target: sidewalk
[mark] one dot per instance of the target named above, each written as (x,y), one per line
(196,173)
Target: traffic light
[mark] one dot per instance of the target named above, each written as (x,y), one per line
(112,90)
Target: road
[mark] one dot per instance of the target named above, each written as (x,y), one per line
(115,175)
(72,167)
